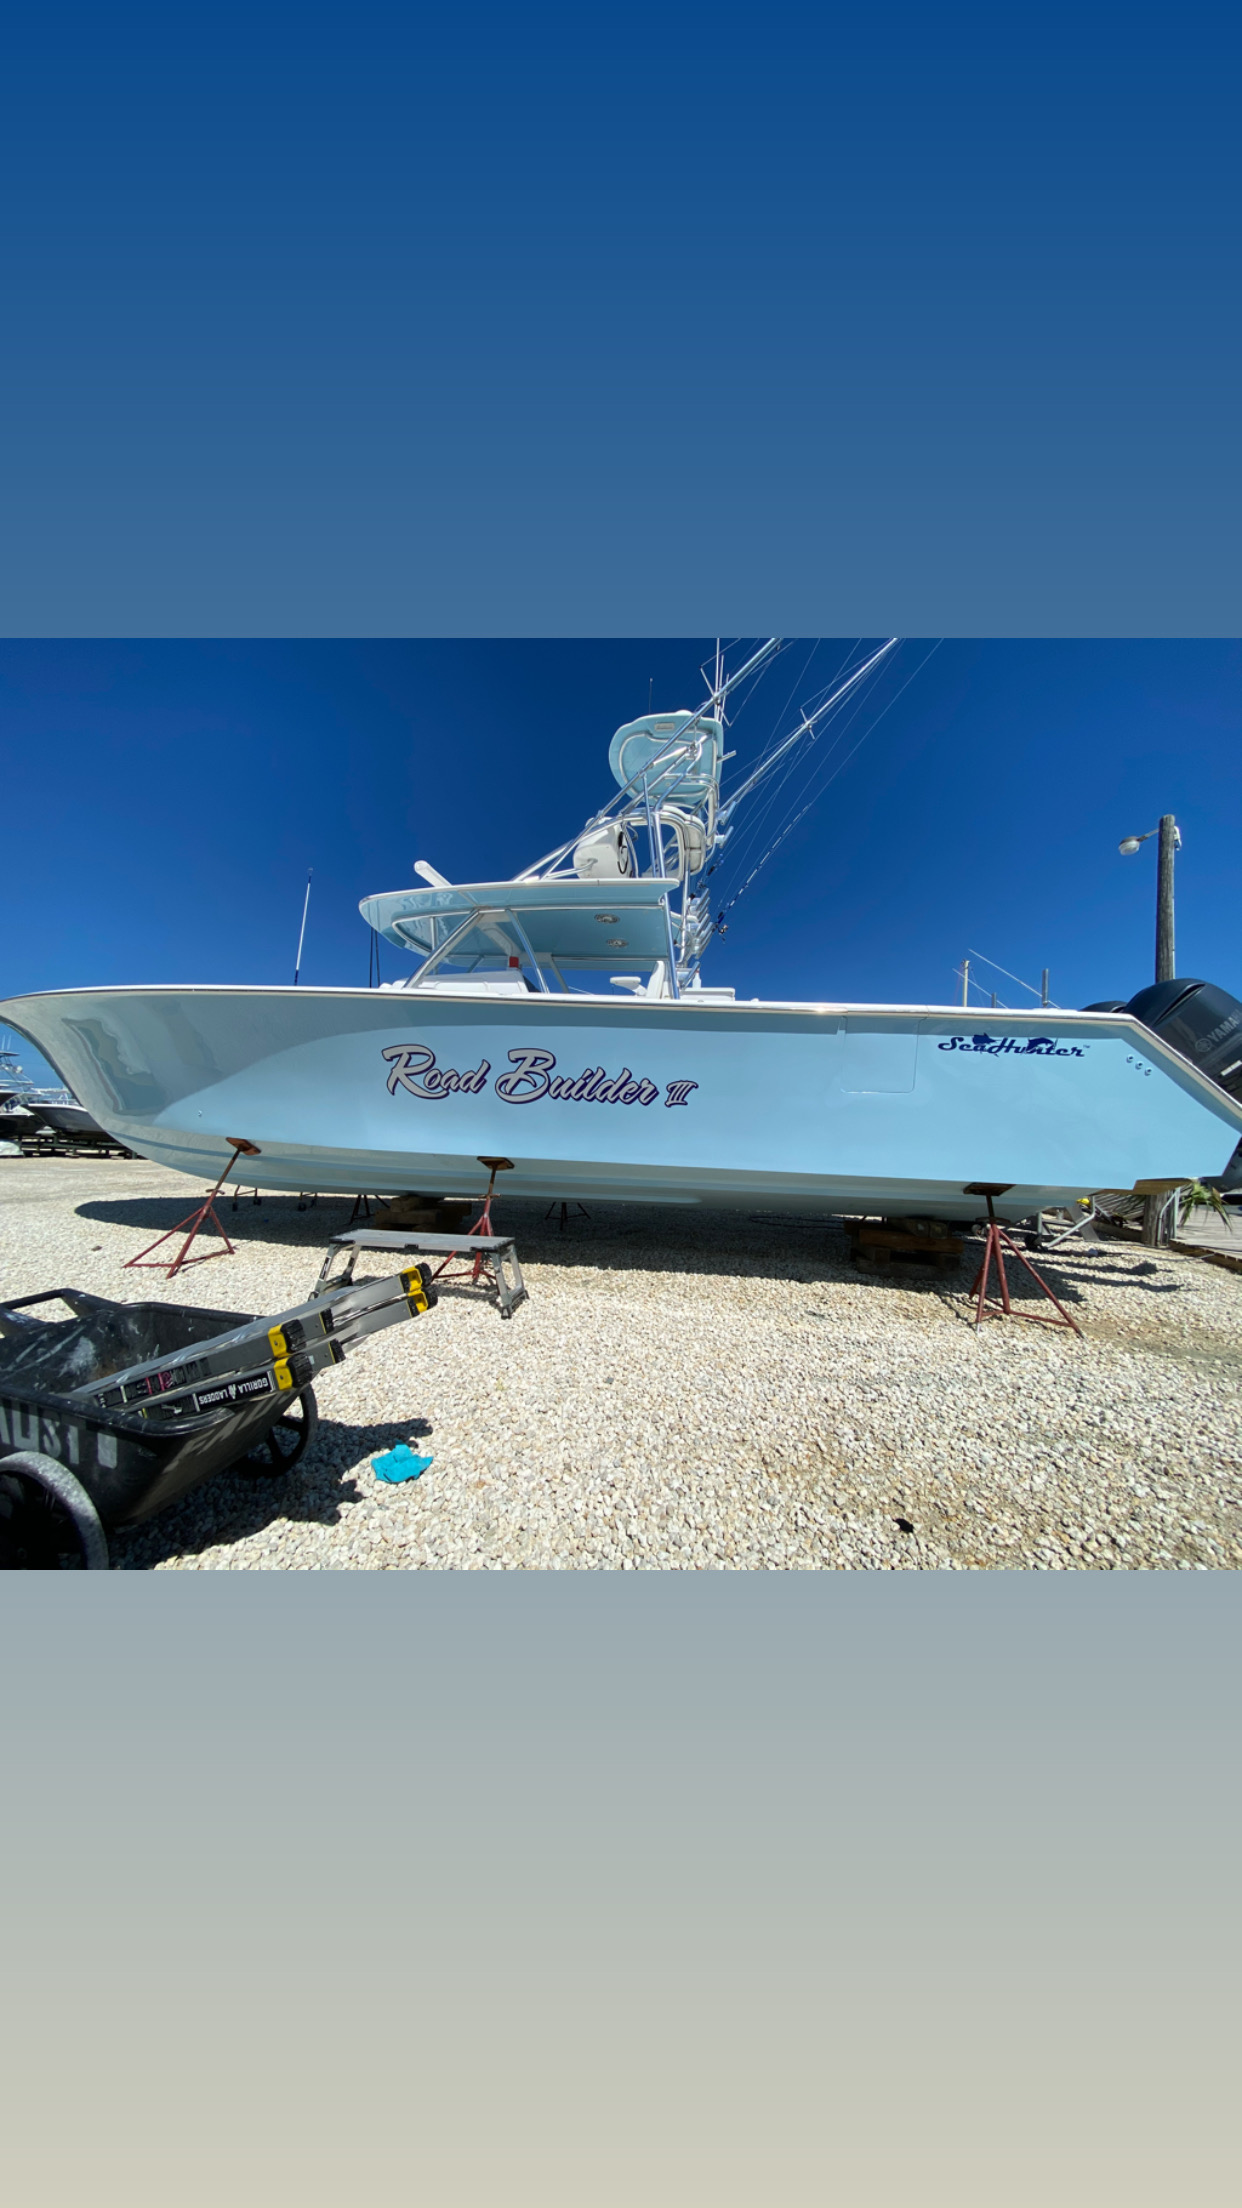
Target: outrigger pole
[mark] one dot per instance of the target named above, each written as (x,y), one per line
(808,723)
(297,964)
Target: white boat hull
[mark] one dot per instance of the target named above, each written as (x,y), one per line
(801,1108)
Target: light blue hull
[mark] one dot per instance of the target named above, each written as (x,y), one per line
(783,1107)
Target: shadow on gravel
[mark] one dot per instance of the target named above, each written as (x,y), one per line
(275,1219)
(680,1240)
(1133,1278)
(689,1242)
(804,1250)
(631,1238)
(236,1505)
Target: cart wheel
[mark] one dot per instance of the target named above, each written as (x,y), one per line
(284,1442)
(48,1522)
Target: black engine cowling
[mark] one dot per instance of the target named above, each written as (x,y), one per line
(1203,1024)
(1200,1022)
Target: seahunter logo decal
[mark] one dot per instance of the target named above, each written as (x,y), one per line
(1039,1046)
(412,1066)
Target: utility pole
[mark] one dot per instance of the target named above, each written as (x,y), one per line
(1170,841)
(1155,1218)
(1166,961)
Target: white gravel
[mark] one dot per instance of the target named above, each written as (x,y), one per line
(693,1391)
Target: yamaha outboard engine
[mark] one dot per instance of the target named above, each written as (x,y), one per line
(1200,1022)
(1204,1024)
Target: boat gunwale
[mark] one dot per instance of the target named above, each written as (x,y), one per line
(634,1008)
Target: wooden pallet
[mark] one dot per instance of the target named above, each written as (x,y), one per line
(434,1214)
(880,1243)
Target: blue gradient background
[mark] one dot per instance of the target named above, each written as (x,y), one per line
(402,321)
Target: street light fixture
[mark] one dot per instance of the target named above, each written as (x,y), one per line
(1170,841)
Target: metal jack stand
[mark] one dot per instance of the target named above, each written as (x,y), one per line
(581,1210)
(997,1243)
(197,1220)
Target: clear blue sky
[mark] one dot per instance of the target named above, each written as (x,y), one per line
(332,319)
(166,799)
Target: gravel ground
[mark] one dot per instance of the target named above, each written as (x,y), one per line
(691,1391)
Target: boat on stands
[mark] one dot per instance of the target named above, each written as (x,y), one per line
(24,1108)
(559,1019)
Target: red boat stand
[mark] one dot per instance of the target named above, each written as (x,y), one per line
(197,1220)
(994,1248)
(483,1224)
(478,1266)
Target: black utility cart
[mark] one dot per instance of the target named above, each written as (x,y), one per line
(110,1415)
